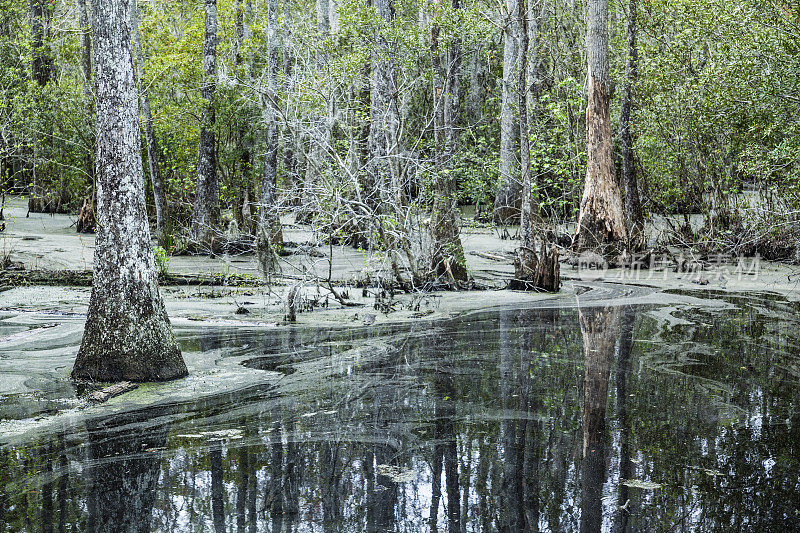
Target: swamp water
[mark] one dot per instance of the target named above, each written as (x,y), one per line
(669,413)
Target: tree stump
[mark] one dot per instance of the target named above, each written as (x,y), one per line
(86,219)
(537,271)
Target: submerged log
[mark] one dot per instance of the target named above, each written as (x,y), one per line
(537,271)
(103,395)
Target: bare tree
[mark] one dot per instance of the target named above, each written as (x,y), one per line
(601,224)
(206,203)
(127,334)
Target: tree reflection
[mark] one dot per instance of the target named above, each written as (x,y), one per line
(123,469)
(600,328)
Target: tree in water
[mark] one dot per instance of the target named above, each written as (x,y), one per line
(206,201)
(633,205)
(448,260)
(601,224)
(269,233)
(127,334)
(533,270)
(506,201)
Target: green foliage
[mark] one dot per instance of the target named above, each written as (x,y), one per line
(162,260)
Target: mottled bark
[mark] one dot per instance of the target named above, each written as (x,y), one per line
(206,203)
(601,223)
(156,179)
(127,334)
(507,197)
(448,261)
(268,233)
(633,206)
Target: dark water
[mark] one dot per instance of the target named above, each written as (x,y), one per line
(518,420)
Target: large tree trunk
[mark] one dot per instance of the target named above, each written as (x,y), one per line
(156,180)
(601,224)
(633,206)
(206,203)
(127,334)
(269,234)
(448,259)
(507,198)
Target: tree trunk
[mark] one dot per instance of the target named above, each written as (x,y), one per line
(42,63)
(269,234)
(448,261)
(384,115)
(206,203)
(86,41)
(156,179)
(533,271)
(601,224)
(633,206)
(127,334)
(506,201)
(477,89)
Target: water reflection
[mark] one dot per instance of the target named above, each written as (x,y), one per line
(522,420)
(123,467)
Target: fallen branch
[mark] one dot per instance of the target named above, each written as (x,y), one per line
(103,395)
(492,257)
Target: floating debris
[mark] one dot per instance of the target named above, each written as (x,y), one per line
(640,484)
(396,473)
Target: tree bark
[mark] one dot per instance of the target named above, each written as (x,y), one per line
(448,261)
(384,117)
(156,179)
(127,334)
(528,249)
(42,62)
(269,234)
(633,206)
(601,223)
(206,203)
(507,198)
(533,271)
(86,41)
